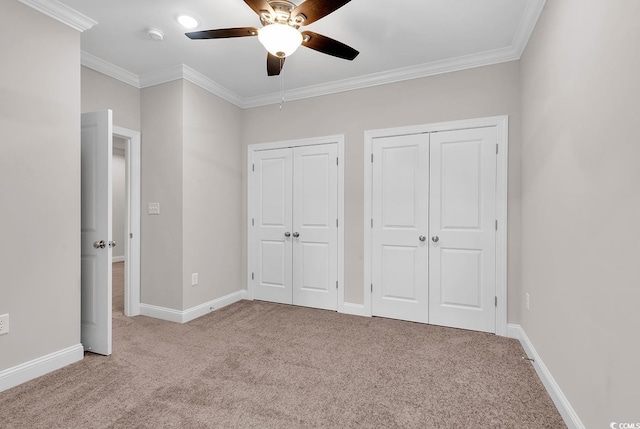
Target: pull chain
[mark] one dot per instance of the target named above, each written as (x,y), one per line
(281,83)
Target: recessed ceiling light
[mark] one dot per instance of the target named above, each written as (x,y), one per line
(187,21)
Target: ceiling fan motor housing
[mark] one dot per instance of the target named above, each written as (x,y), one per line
(282,9)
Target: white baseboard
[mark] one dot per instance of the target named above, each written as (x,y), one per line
(115,259)
(561,402)
(354,309)
(35,368)
(184,316)
(216,304)
(163,313)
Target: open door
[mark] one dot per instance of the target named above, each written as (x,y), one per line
(96,232)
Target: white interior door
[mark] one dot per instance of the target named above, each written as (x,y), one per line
(315,229)
(96,149)
(400,227)
(272,248)
(462,264)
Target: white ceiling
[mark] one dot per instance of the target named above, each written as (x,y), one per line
(397,40)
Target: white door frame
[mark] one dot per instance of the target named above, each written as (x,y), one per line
(502,125)
(251,149)
(132,221)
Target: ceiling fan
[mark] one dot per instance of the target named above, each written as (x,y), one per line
(280,34)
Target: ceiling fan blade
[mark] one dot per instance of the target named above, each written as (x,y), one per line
(223,33)
(313,10)
(328,46)
(259,5)
(274,65)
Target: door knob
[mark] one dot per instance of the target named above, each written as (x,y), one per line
(435,238)
(296,235)
(287,234)
(99,244)
(422,238)
(112,244)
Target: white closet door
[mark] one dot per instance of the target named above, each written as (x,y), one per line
(315,232)
(462,227)
(96,293)
(273,212)
(400,221)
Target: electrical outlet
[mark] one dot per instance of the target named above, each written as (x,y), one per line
(526,300)
(4,324)
(194,279)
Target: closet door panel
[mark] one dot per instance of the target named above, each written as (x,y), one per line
(315,232)
(273,220)
(462,228)
(400,227)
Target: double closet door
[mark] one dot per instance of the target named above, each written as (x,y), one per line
(295,231)
(433,228)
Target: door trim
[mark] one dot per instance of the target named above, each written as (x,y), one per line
(502,125)
(132,223)
(251,149)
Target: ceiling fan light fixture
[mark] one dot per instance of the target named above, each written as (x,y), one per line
(187,21)
(280,40)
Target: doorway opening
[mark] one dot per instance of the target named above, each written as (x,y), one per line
(130,147)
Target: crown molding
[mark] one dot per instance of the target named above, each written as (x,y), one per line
(181,71)
(511,53)
(62,13)
(210,85)
(527,25)
(158,77)
(185,72)
(111,70)
(387,77)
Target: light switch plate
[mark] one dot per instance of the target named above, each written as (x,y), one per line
(154,208)
(194,279)
(4,324)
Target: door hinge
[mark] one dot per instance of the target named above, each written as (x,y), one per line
(496,301)
(371,222)
(253,221)
(371,157)
(336,223)
(253,167)
(336,284)
(496,224)
(252,276)
(496,148)
(371,287)
(131,235)
(337,161)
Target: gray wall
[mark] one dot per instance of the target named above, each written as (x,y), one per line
(162,182)
(480,92)
(581,203)
(39,184)
(212,185)
(192,165)
(100,92)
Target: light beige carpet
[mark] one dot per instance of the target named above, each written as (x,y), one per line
(263,365)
